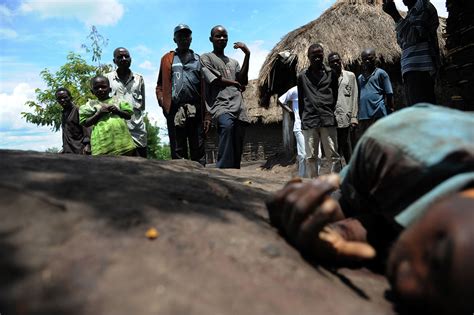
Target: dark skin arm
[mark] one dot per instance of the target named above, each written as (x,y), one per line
(91,121)
(104,109)
(390,8)
(243,78)
(314,223)
(300,96)
(117,111)
(390,103)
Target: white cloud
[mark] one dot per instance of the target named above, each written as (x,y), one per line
(257,57)
(147,65)
(152,108)
(5,11)
(7,33)
(90,12)
(439,4)
(141,49)
(15,132)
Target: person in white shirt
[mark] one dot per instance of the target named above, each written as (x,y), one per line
(130,87)
(347,105)
(292,96)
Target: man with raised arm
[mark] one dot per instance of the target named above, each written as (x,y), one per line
(224,83)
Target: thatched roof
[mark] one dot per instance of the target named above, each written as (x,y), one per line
(348,27)
(266,115)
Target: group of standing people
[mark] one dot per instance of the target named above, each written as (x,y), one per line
(330,103)
(112,124)
(405,199)
(332,108)
(192,90)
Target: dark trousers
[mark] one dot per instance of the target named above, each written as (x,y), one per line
(171,134)
(419,87)
(344,143)
(191,136)
(142,152)
(231,133)
(362,127)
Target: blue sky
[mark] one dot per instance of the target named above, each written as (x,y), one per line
(39,34)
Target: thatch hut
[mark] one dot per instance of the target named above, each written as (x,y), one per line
(348,27)
(263,136)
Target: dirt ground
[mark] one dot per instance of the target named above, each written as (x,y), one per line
(72,241)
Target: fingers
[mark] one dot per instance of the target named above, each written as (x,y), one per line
(305,236)
(333,179)
(299,204)
(276,204)
(344,248)
(300,210)
(242,46)
(206,127)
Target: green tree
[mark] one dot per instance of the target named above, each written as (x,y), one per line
(98,42)
(156,150)
(75,75)
(52,150)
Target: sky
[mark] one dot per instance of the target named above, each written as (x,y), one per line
(38,34)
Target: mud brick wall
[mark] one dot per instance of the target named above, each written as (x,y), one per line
(260,142)
(460,47)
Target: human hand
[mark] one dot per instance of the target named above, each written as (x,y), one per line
(104,108)
(87,149)
(237,85)
(301,210)
(243,47)
(207,126)
(389,7)
(113,109)
(342,246)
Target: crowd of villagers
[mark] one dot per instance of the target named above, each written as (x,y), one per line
(404,200)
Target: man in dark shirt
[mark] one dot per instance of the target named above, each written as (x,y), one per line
(76,138)
(179,94)
(317,94)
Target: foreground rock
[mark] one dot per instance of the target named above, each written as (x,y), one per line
(72,241)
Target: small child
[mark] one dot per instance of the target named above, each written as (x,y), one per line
(110,135)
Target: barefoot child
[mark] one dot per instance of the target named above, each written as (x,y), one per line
(110,135)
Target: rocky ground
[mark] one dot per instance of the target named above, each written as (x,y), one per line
(72,241)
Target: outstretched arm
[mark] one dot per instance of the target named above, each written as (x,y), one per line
(314,223)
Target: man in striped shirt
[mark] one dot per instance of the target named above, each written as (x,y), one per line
(418,39)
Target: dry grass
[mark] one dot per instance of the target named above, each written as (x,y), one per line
(348,27)
(256,113)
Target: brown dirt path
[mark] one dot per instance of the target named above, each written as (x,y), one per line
(72,241)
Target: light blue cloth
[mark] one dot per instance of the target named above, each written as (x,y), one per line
(411,214)
(373,91)
(406,160)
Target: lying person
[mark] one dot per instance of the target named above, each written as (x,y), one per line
(409,182)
